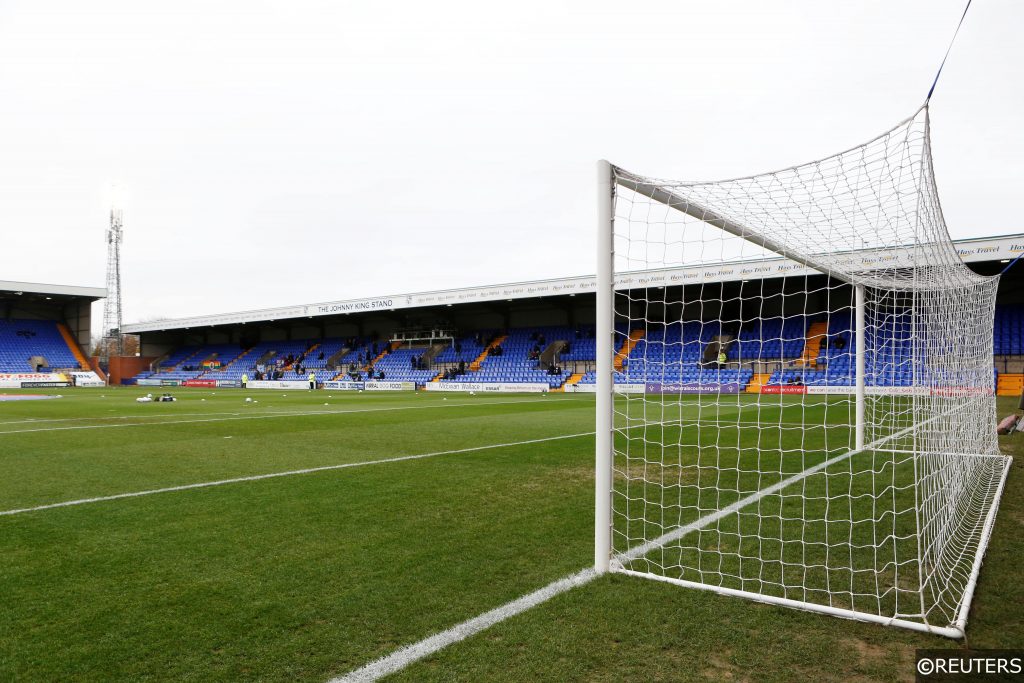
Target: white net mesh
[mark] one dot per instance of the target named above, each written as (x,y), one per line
(736,461)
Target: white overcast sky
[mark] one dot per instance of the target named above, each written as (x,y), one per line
(276,153)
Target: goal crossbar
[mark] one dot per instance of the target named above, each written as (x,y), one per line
(672,200)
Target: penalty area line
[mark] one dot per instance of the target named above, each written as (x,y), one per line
(289,473)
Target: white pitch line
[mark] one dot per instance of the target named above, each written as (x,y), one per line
(262,416)
(42,420)
(289,473)
(400,659)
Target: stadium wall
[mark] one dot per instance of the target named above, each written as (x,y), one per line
(125,367)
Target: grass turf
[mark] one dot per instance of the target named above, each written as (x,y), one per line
(309,576)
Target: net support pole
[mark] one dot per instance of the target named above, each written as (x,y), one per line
(861,349)
(605,379)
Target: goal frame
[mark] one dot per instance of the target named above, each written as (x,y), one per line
(608,177)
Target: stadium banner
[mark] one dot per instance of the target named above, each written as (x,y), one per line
(783,389)
(592,388)
(229,383)
(39,385)
(199,383)
(389,386)
(692,388)
(148,382)
(170,383)
(278,384)
(344,385)
(491,387)
(16,380)
(87,379)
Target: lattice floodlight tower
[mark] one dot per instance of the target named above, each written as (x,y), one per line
(113,340)
(826,442)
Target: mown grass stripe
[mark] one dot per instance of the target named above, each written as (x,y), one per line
(265,416)
(289,473)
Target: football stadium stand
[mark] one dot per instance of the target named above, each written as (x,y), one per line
(518,359)
(23,340)
(800,350)
(398,366)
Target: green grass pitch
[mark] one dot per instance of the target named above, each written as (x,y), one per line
(308,576)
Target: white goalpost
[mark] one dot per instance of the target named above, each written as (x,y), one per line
(795,391)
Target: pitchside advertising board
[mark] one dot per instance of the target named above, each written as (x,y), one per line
(495,387)
(87,379)
(389,386)
(343,386)
(150,382)
(20,380)
(692,388)
(348,385)
(277,384)
(875,391)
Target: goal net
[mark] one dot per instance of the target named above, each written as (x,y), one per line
(795,387)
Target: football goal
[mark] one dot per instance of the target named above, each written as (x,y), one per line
(795,387)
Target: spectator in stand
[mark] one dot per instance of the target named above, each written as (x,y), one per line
(462,367)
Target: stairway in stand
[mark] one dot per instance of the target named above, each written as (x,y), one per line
(627,346)
(72,343)
(475,365)
(308,351)
(815,333)
(756,382)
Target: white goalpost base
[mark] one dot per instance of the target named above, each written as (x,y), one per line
(824,441)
